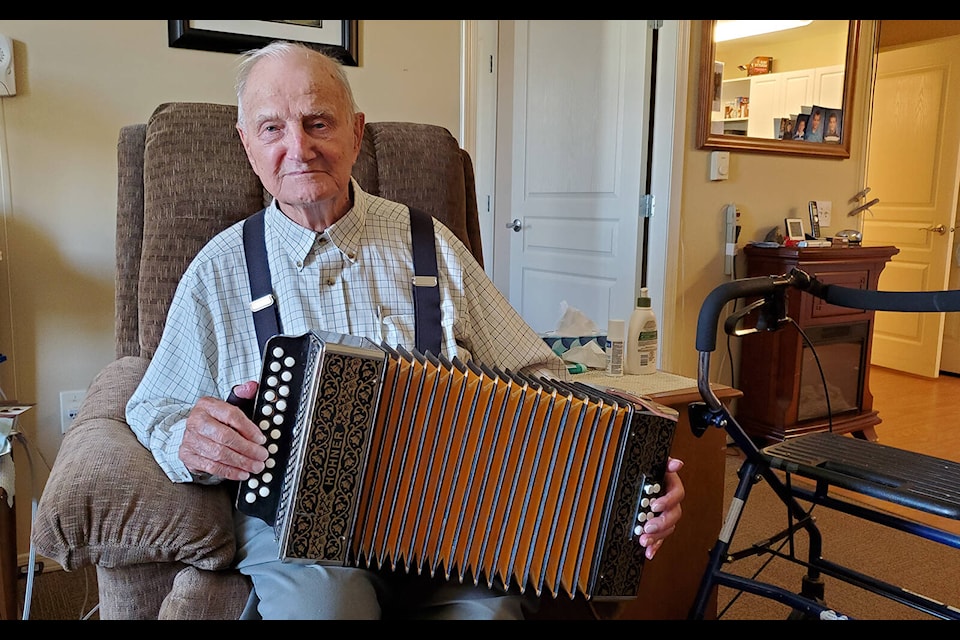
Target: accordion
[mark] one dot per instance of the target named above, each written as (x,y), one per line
(385,458)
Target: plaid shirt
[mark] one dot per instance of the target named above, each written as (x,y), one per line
(354,278)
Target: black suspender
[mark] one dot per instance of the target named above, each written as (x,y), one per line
(263,304)
(426,291)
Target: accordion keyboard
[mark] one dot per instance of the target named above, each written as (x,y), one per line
(285,368)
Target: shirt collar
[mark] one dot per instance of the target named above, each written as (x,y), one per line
(344,234)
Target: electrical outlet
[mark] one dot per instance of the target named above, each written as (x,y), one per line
(69,406)
(825,207)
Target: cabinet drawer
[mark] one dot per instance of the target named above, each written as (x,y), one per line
(814,308)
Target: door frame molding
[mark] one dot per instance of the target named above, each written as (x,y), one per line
(478,122)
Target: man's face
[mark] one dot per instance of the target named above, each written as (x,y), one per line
(299,131)
(816,121)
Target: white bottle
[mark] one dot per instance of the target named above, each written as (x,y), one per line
(642,338)
(615,335)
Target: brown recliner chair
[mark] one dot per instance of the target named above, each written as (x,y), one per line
(164,550)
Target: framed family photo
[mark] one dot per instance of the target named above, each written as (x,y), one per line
(833,128)
(337,38)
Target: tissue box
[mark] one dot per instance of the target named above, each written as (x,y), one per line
(560,344)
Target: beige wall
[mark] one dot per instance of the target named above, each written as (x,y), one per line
(78,82)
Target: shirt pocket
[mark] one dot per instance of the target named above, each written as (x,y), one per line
(399,329)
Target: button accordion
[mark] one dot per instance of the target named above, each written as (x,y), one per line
(380,457)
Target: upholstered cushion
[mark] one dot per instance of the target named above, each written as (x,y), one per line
(206,595)
(197,181)
(419,165)
(107,502)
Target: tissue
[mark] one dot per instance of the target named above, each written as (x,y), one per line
(590,354)
(577,338)
(574,322)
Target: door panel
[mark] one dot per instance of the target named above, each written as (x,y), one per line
(576,148)
(915,137)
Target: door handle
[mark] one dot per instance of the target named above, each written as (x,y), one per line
(938,229)
(516,225)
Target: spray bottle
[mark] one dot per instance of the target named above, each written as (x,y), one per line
(642,338)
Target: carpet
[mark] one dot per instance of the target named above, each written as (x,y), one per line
(908,561)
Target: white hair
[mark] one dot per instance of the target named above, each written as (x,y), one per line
(278,49)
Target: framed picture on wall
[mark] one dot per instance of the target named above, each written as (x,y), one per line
(337,38)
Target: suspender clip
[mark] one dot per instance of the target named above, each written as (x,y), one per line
(424,281)
(262,303)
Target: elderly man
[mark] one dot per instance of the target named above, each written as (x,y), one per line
(340,260)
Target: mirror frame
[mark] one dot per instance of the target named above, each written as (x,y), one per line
(726,142)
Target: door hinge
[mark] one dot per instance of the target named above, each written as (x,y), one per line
(647,205)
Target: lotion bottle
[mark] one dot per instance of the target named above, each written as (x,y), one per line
(642,338)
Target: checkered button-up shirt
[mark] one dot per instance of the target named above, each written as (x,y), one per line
(354,278)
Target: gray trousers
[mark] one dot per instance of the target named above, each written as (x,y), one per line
(291,591)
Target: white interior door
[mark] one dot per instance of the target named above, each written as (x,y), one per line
(912,168)
(571,148)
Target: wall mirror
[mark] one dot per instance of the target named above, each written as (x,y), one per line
(788,91)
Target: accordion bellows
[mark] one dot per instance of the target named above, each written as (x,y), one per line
(387,458)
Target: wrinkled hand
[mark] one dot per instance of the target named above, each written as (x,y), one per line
(221,440)
(667,506)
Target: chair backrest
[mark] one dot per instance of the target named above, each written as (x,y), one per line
(184,176)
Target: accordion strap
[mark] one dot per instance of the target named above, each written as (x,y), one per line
(426,290)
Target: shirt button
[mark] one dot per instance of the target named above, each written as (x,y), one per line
(330,282)
(351,255)
(322,239)
(300,264)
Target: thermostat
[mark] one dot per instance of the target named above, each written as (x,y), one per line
(719,165)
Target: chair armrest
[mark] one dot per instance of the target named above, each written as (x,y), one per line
(108,503)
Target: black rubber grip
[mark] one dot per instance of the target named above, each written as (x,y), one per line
(246,404)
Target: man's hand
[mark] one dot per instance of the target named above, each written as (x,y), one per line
(668,509)
(221,440)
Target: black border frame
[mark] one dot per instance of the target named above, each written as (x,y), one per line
(182,36)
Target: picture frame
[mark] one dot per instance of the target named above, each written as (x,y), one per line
(800,126)
(336,38)
(833,127)
(794,228)
(816,124)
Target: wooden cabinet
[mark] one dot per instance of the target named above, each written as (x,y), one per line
(780,373)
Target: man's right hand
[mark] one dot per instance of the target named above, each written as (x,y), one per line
(221,440)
